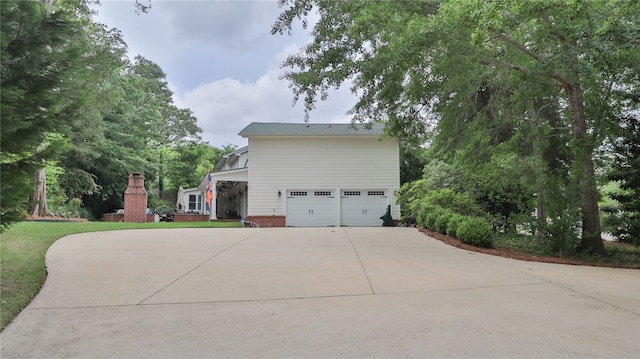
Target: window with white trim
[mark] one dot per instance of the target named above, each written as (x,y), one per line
(195,202)
(351,193)
(298,193)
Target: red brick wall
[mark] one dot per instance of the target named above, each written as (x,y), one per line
(268,221)
(112,217)
(191,217)
(135,199)
(135,208)
(118,217)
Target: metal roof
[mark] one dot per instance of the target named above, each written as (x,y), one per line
(310,129)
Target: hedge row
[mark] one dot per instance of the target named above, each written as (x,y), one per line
(468,229)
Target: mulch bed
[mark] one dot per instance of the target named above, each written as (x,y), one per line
(509,253)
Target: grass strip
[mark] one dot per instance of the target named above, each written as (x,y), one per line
(23,248)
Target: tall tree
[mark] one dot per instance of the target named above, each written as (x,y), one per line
(40,51)
(415,64)
(187,163)
(140,124)
(567,44)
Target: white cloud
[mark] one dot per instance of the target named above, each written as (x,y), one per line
(224,107)
(200,41)
(232,24)
(222,62)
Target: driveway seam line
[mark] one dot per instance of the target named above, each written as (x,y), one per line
(196,267)
(595,298)
(560,285)
(373,291)
(297,298)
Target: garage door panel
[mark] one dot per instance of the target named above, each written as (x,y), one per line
(363,208)
(318,208)
(310,208)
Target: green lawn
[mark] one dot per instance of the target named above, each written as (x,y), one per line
(23,247)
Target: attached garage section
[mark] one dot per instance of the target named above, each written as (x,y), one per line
(363,208)
(322,208)
(311,208)
(320,175)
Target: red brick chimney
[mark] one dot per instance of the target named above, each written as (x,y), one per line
(135,199)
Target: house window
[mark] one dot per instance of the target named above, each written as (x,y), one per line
(298,193)
(322,193)
(375,193)
(195,202)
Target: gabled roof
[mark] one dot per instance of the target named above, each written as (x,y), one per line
(310,129)
(229,157)
(239,151)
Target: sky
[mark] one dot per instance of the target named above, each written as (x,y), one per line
(222,62)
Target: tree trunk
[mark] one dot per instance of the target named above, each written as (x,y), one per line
(591,232)
(39,197)
(540,213)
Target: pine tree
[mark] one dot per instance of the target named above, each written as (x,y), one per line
(38,51)
(626,170)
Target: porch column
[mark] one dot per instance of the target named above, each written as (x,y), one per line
(213,206)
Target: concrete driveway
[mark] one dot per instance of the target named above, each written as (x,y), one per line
(317,293)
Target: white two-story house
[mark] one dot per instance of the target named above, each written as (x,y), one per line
(308,175)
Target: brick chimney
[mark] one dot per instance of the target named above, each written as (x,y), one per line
(135,199)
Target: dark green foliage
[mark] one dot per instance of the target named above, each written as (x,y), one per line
(187,163)
(626,170)
(561,230)
(141,130)
(409,197)
(432,217)
(411,162)
(454,222)
(39,54)
(414,196)
(508,92)
(425,210)
(454,201)
(476,232)
(77,182)
(70,98)
(437,175)
(15,187)
(442,221)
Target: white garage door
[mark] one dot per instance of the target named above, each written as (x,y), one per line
(311,208)
(363,208)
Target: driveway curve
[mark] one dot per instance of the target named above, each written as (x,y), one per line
(316,293)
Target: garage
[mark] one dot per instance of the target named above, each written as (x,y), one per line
(363,208)
(319,208)
(320,175)
(311,208)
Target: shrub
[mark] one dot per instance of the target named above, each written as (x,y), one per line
(442,221)
(452,225)
(475,231)
(425,209)
(410,198)
(432,216)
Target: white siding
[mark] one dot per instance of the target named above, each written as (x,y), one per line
(315,162)
(199,204)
